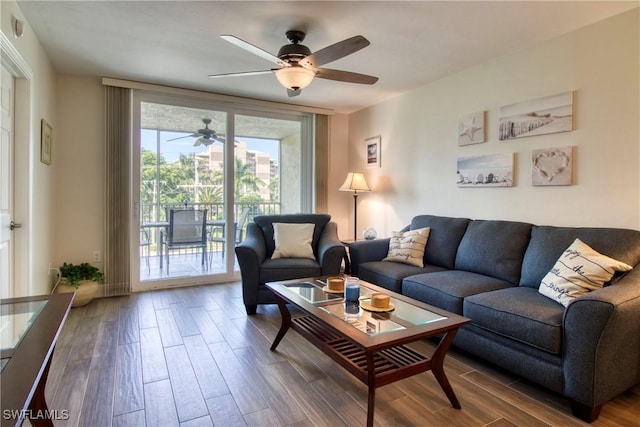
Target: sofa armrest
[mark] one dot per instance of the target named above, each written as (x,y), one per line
(330,250)
(602,342)
(251,253)
(366,251)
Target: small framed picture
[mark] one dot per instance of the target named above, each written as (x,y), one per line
(46,142)
(373,151)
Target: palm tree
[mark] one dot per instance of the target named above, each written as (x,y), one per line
(246,181)
(274,189)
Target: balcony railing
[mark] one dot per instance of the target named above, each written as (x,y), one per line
(159,212)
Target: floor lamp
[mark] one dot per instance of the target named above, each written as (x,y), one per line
(355,182)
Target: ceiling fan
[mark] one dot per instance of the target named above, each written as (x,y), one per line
(298,66)
(205,135)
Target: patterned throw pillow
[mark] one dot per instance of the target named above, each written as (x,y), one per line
(293,240)
(579,270)
(408,246)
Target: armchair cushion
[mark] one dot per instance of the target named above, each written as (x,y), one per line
(293,240)
(288,268)
(265,222)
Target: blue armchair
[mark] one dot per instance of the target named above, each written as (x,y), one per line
(257,267)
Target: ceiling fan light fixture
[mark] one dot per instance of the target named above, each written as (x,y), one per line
(295,77)
(203,141)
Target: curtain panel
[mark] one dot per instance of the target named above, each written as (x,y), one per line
(322,162)
(117,260)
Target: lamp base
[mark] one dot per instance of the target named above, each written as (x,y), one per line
(355,216)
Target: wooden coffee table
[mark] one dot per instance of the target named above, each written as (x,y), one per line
(370,345)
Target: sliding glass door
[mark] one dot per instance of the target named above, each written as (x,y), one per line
(271,174)
(214,160)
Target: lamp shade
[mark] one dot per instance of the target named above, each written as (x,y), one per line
(295,77)
(355,182)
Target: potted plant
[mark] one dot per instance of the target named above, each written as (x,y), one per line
(83,279)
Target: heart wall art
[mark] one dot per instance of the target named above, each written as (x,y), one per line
(552,166)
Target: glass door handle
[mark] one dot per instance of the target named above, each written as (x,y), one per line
(14,225)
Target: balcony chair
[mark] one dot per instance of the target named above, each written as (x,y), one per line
(238,233)
(187,230)
(259,266)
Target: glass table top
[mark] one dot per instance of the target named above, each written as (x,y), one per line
(15,320)
(313,292)
(371,323)
(365,321)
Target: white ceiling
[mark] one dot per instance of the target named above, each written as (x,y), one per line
(413,43)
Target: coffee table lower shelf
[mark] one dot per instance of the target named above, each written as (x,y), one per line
(389,365)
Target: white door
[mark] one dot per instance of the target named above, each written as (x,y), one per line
(6,175)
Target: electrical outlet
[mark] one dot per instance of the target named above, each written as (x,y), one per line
(97,257)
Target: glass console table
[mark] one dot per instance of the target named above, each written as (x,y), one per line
(29,330)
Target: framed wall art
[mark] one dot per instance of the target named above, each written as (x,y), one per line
(373,151)
(539,116)
(46,142)
(471,129)
(552,166)
(489,170)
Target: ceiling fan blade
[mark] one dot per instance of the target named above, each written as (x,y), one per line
(335,52)
(293,93)
(242,73)
(194,135)
(251,48)
(345,76)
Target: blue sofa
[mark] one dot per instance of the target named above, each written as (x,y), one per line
(489,271)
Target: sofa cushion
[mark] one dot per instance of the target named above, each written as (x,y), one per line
(447,289)
(293,240)
(444,238)
(494,248)
(408,246)
(548,243)
(519,313)
(579,270)
(288,268)
(389,275)
(265,222)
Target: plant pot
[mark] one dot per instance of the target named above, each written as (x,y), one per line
(86,291)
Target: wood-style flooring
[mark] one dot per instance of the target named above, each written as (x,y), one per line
(191,357)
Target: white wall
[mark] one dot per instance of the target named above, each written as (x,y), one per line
(36,193)
(419,136)
(339,203)
(79,178)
